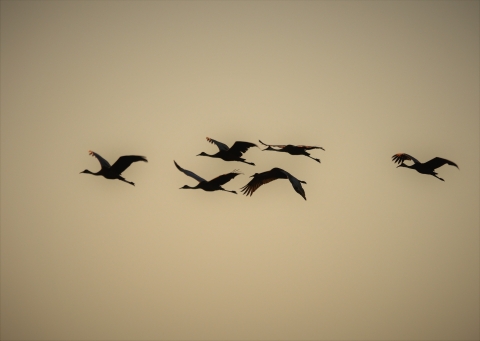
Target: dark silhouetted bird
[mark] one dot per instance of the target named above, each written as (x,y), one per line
(233,153)
(260,179)
(424,168)
(292,150)
(115,171)
(212,185)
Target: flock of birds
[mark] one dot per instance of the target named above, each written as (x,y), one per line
(235,153)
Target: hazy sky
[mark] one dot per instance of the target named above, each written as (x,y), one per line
(374,253)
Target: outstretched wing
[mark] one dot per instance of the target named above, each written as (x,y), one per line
(241,147)
(220,145)
(296,184)
(260,179)
(439,162)
(189,173)
(273,145)
(103,163)
(284,145)
(223,179)
(310,147)
(124,162)
(401,157)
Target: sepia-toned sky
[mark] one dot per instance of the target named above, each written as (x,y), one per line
(376,252)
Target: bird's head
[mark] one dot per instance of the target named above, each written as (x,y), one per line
(252,176)
(185,187)
(86,171)
(402,165)
(202,154)
(268,148)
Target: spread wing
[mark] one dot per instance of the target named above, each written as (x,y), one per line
(241,147)
(273,145)
(223,179)
(260,179)
(310,147)
(284,145)
(103,163)
(189,173)
(439,162)
(124,162)
(220,145)
(401,157)
(296,184)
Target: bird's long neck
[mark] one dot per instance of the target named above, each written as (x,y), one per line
(407,166)
(209,155)
(273,149)
(89,172)
(189,187)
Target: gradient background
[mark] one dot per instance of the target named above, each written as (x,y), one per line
(374,253)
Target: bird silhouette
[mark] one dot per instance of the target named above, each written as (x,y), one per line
(115,171)
(423,168)
(233,153)
(292,150)
(209,186)
(260,179)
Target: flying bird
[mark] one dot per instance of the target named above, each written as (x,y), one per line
(260,179)
(292,150)
(423,168)
(233,153)
(115,171)
(209,186)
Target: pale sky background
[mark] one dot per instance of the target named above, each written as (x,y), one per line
(374,253)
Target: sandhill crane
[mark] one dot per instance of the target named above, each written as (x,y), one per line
(212,185)
(260,179)
(115,171)
(233,153)
(292,150)
(424,168)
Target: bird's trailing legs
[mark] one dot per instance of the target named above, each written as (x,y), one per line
(250,163)
(128,182)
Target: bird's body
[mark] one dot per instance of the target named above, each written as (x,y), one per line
(423,168)
(233,153)
(209,186)
(260,179)
(114,171)
(292,150)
